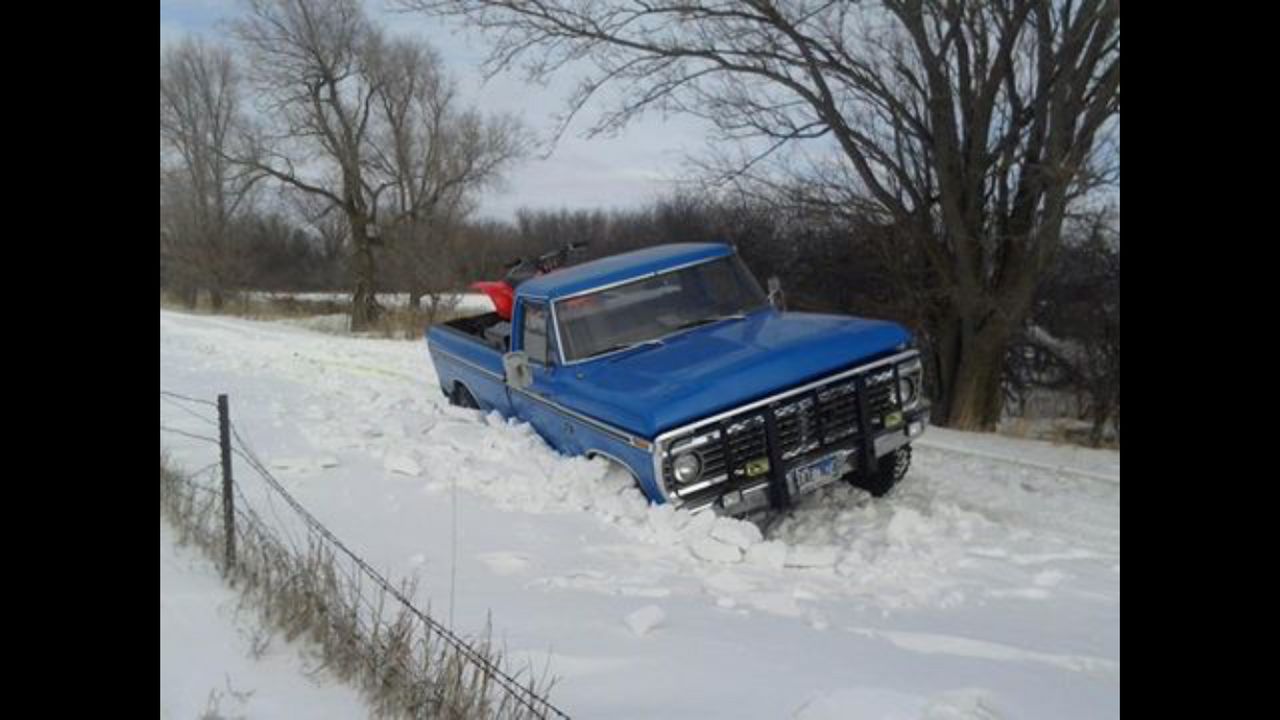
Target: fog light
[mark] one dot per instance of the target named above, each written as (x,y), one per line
(686,468)
(915,428)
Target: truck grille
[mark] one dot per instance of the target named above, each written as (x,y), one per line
(809,423)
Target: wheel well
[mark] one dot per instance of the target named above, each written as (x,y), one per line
(460,384)
(613,459)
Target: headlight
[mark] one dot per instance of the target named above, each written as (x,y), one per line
(907,390)
(686,467)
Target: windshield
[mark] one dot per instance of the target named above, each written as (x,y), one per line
(645,310)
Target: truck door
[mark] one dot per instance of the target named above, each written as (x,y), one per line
(533,404)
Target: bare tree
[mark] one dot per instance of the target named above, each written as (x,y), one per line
(352,116)
(313,63)
(201,192)
(435,155)
(968,125)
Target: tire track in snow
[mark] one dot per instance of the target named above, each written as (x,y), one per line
(932,644)
(932,444)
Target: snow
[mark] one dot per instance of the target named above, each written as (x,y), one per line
(986,585)
(463,302)
(645,619)
(205,653)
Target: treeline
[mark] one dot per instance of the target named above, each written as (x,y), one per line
(1069,347)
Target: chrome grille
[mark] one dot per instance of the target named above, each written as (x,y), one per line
(806,424)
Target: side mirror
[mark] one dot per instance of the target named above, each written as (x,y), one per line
(776,298)
(516,367)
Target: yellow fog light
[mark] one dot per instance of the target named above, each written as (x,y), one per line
(893,419)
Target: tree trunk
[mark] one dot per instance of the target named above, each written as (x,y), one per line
(190,296)
(969,373)
(364,300)
(216,298)
(415,299)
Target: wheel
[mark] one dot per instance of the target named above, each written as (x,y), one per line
(892,468)
(462,397)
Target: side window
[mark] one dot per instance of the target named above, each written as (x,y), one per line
(535,332)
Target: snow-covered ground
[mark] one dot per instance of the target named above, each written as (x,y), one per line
(986,586)
(465,301)
(206,649)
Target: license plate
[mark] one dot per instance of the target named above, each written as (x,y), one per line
(817,474)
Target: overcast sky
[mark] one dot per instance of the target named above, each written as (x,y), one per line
(624,171)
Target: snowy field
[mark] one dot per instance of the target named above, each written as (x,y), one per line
(986,586)
(465,301)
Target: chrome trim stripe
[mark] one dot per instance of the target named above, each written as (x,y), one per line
(646,276)
(597,424)
(659,441)
(555,320)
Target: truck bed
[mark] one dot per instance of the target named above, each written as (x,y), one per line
(488,328)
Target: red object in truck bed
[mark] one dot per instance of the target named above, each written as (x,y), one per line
(500,293)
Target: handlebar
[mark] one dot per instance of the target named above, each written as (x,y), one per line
(522,269)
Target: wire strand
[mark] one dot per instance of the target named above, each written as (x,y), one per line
(166,393)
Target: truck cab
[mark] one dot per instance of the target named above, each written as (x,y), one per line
(674,363)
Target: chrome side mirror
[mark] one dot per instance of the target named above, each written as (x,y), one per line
(515,365)
(776,298)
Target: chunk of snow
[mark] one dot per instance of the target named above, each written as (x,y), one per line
(711,549)
(402,464)
(906,525)
(966,704)
(738,533)
(770,554)
(505,563)
(295,464)
(645,619)
(812,556)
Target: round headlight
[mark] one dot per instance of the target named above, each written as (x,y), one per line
(686,467)
(906,390)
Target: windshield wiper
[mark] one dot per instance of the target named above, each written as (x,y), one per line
(709,320)
(622,346)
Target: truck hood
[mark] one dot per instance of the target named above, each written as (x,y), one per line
(653,388)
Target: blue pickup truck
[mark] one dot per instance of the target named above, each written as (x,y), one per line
(673,362)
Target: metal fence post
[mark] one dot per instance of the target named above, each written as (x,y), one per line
(228,507)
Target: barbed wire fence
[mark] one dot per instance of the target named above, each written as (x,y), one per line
(369,630)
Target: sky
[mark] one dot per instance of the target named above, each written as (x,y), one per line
(640,164)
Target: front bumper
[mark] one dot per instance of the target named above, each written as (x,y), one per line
(751,497)
(747,454)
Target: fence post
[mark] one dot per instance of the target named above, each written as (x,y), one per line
(228,507)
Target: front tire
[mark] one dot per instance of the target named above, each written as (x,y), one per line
(461,397)
(892,468)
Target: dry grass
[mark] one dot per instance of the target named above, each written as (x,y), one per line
(1061,431)
(397,323)
(360,633)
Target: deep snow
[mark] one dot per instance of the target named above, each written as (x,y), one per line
(986,586)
